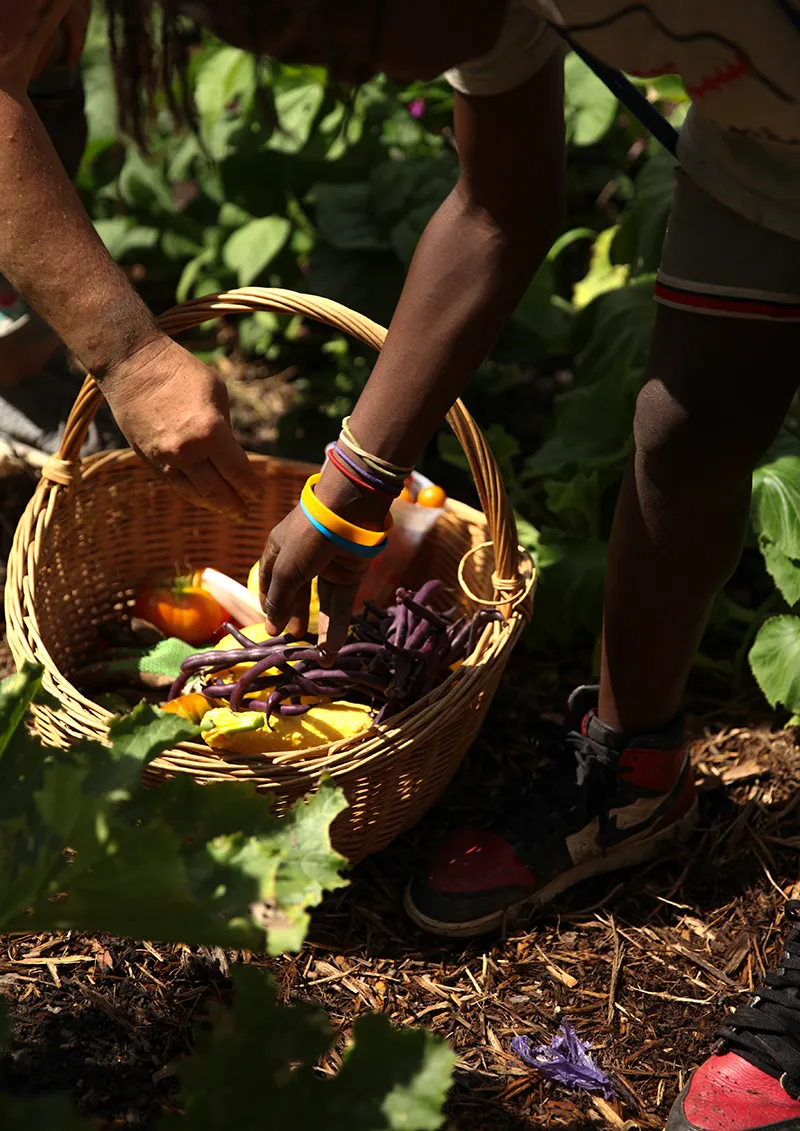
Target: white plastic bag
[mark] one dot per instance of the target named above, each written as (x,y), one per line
(411,525)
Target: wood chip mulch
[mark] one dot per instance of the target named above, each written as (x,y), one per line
(645,964)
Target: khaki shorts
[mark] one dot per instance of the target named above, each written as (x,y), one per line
(717,262)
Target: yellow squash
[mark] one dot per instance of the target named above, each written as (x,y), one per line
(313,608)
(247,732)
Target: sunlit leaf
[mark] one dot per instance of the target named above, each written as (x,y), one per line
(775,661)
(252,248)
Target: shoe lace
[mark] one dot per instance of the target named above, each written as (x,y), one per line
(577,783)
(766,1031)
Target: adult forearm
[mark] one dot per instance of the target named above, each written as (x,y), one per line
(51,253)
(466,279)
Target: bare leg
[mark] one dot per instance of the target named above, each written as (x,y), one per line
(716,395)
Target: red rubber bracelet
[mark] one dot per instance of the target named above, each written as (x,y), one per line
(354,478)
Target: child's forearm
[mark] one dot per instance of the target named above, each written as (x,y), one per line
(51,253)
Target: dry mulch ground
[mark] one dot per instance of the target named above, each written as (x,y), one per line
(645,963)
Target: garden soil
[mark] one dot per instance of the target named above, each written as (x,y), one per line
(645,964)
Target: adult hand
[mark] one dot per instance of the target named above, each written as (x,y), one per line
(296,553)
(173,410)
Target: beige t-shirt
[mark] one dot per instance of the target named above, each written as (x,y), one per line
(739,60)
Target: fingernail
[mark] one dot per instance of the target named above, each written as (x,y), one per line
(270,628)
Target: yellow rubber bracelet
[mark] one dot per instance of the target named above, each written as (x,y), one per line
(337,525)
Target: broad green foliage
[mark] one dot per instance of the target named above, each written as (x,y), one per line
(288,187)
(177,864)
(589,105)
(205,865)
(775,660)
(389,1080)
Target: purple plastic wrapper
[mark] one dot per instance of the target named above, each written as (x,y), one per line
(565,1060)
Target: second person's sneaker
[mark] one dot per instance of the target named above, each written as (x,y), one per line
(752,1082)
(605,803)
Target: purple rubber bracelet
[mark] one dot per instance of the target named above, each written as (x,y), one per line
(372,480)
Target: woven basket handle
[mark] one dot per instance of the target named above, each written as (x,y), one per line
(492,494)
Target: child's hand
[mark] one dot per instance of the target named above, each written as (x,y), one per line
(296,553)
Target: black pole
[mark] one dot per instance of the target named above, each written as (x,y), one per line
(652,119)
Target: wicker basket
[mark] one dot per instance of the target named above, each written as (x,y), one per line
(96,527)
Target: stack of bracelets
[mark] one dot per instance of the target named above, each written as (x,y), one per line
(376,474)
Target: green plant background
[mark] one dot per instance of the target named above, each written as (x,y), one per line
(285,186)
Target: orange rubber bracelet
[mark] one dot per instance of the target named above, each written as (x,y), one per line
(337,525)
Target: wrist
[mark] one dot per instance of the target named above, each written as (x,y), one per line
(139,367)
(130,338)
(360,506)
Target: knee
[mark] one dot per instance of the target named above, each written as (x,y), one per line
(694,444)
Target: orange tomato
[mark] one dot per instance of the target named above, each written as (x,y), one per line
(432,496)
(405,496)
(180,608)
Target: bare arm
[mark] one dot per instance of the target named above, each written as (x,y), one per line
(471,268)
(171,408)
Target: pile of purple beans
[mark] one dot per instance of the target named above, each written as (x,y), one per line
(393,657)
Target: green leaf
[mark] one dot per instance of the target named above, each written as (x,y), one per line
(775,661)
(297,108)
(570,586)
(176,863)
(783,570)
(776,503)
(121,234)
(207,866)
(17,692)
(639,239)
(602,275)
(345,217)
(616,330)
(250,250)
(228,74)
(44,1114)
(589,106)
(143,185)
(260,1057)
(592,427)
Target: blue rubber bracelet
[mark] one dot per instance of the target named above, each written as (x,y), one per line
(344,543)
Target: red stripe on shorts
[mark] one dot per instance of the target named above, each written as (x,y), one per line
(727,303)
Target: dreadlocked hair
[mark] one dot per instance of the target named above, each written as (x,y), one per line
(149,55)
(150,48)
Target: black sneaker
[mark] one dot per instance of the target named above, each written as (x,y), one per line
(752,1083)
(606,803)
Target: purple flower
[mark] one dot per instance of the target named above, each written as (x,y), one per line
(566,1061)
(417,108)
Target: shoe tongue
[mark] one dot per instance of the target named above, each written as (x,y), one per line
(602,733)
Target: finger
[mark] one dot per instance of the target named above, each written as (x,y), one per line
(335,612)
(184,488)
(210,485)
(232,464)
(268,559)
(280,601)
(298,622)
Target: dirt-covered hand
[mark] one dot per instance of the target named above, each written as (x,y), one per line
(296,553)
(173,410)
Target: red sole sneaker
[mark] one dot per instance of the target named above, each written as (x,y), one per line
(727,1093)
(635,850)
